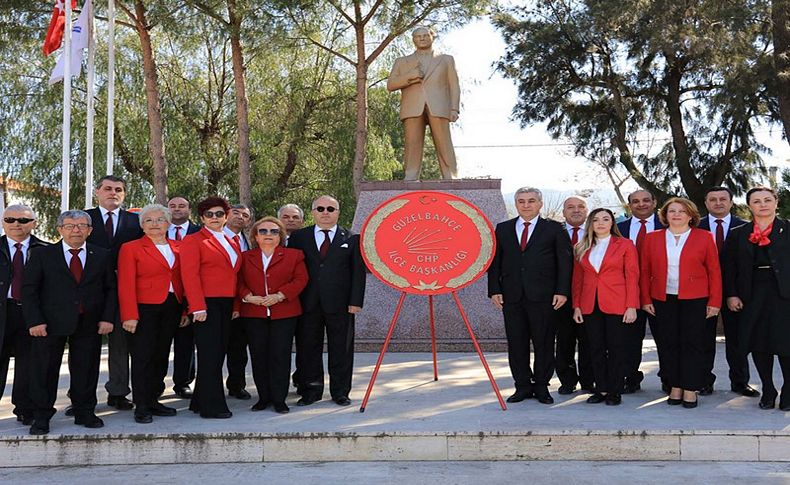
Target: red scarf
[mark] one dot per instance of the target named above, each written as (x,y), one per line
(759,237)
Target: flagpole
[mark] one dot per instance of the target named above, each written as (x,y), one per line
(111,86)
(64,182)
(91,111)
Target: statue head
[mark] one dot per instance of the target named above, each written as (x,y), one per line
(422,37)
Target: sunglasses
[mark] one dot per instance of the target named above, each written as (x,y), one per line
(329,209)
(263,231)
(211,215)
(21,220)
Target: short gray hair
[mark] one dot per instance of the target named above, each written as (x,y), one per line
(524,190)
(20,208)
(325,196)
(154,208)
(73,214)
(290,206)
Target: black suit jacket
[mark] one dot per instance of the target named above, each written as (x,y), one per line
(739,260)
(128,230)
(735,221)
(540,272)
(339,280)
(7,273)
(625,226)
(191,229)
(51,295)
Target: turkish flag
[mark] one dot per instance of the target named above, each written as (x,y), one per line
(55,31)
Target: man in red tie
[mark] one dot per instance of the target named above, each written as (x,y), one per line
(18,223)
(69,296)
(574,210)
(719,221)
(529,280)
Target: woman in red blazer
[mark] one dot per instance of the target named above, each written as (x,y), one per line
(605,299)
(270,281)
(680,285)
(209,264)
(150,294)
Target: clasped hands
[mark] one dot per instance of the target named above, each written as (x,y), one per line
(266,301)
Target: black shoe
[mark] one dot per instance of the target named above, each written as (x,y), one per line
(706,390)
(282,408)
(26,419)
(69,412)
(260,406)
(240,394)
(631,388)
(159,409)
(306,401)
(519,396)
(89,421)
(145,418)
(784,406)
(767,403)
(544,398)
(564,390)
(596,398)
(613,399)
(690,404)
(217,416)
(183,392)
(120,403)
(39,428)
(674,402)
(745,390)
(343,401)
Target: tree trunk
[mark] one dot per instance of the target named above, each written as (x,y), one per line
(361,138)
(780,16)
(242,111)
(156,137)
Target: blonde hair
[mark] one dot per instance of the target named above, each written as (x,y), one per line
(588,240)
(689,206)
(273,220)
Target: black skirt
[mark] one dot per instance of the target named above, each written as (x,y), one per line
(765,324)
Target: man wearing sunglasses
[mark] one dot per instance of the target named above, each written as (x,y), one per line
(18,224)
(334,293)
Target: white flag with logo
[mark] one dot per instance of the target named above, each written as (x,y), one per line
(81,33)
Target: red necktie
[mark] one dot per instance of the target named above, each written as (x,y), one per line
(18,266)
(324,249)
(524,235)
(178,233)
(75,265)
(719,234)
(108,227)
(575,237)
(237,242)
(640,237)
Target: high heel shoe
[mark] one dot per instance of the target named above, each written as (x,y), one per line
(674,402)
(690,404)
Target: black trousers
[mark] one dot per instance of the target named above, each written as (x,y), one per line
(237,358)
(183,357)
(270,351)
(736,357)
(339,328)
(684,333)
(764,362)
(568,334)
(636,335)
(607,336)
(525,322)
(211,339)
(16,343)
(150,349)
(46,357)
(118,360)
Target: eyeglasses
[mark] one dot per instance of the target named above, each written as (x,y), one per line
(71,227)
(158,220)
(21,220)
(329,209)
(211,215)
(263,231)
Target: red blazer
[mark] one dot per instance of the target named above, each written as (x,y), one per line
(145,277)
(700,274)
(616,284)
(286,273)
(206,269)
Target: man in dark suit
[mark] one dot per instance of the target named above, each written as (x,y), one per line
(69,295)
(643,220)
(239,220)
(529,280)
(113,226)
(184,340)
(719,221)
(18,223)
(333,295)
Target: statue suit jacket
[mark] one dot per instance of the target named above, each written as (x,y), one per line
(439,88)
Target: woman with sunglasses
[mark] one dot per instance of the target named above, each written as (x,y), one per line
(605,299)
(210,262)
(270,281)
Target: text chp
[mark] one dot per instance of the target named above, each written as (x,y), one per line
(425,243)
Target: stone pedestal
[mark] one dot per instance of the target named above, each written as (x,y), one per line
(412,332)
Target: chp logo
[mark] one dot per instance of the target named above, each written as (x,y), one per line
(427,243)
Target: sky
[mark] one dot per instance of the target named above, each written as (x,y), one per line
(487,101)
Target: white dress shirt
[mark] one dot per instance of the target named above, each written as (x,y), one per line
(725,225)
(12,252)
(114,218)
(167,253)
(223,240)
(520,227)
(579,235)
(242,241)
(650,226)
(266,260)
(171,231)
(319,235)
(674,248)
(81,254)
(598,251)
